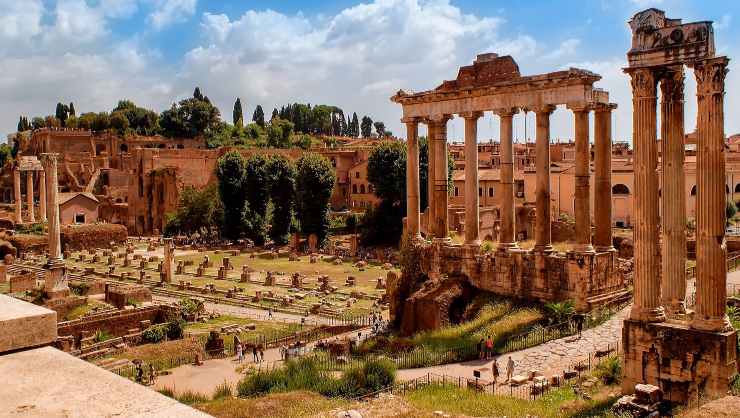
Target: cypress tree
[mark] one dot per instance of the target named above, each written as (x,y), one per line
(237,115)
(72,109)
(259,116)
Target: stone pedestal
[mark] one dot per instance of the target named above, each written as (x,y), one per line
(56,283)
(683,362)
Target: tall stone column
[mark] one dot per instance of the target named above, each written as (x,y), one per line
(17,196)
(711,247)
(673,194)
(582,180)
(542,232)
(169,260)
(472,213)
(412,176)
(646,252)
(42,196)
(507,237)
(56,278)
(29,196)
(430,178)
(603,177)
(441,194)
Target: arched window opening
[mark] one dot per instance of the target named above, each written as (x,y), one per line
(620,189)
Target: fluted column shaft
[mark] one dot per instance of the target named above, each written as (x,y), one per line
(542,232)
(439,145)
(17,196)
(582,180)
(507,238)
(603,177)
(646,250)
(431,213)
(472,215)
(50,166)
(29,196)
(711,251)
(673,195)
(412,177)
(42,196)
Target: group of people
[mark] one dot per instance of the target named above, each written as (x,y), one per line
(510,364)
(140,374)
(485,352)
(258,353)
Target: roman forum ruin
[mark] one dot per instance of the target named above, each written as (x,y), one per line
(587,273)
(684,353)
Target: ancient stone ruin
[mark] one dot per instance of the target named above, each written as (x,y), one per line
(588,273)
(685,354)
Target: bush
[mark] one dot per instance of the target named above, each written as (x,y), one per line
(154,333)
(101,336)
(609,371)
(175,329)
(190,398)
(223,391)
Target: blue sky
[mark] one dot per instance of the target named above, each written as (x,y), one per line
(348,53)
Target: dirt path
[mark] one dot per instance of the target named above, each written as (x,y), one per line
(550,358)
(205,378)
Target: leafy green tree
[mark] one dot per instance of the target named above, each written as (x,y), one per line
(52,122)
(257,194)
(190,118)
(314,186)
(101,122)
(379,129)
(119,122)
(386,171)
(86,120)
(38,122)
(730,210)
(558,312)
(62,112)
(196,210)
(237,115)
(259,116)
(231,172)
(275,114)
(366,128)
(142,121)
(279,133)
(6,153)
(282,180)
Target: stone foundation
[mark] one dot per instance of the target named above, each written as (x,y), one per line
(682,361)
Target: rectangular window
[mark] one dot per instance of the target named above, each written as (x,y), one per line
(79,218)
(456,192)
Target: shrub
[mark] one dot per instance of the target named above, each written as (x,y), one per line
(560,311)
(609,371)
(175,329)
(154,333)
(223,391)
(379,373)
(189,398)
(101,335)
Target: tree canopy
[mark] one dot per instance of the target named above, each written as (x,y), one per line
(314,186)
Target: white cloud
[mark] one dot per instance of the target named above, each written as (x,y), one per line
(566,49)
(20,20)
(724,22)
(167,12)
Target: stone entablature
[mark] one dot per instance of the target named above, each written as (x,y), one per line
(589,279)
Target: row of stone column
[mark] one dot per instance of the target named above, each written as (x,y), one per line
(17,194)
(660,277)
(437,186)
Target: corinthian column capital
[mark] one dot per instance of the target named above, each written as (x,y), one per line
(672,85)
(471,115)
(644,82)
(506,112)
(710,76)
(545,109)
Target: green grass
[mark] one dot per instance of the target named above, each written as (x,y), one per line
(82,310)
(299,404)
(557,403)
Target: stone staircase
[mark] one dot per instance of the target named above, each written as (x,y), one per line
(112,364)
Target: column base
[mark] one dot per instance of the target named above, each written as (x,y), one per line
(504,246)
(674,307)
(583,248)
(721,324)
(647,314)
(543,248)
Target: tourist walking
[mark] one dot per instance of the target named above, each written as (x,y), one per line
(489,347)
(269,313)
(480,349)
(152,374)
(262,355)
(509,368)
(494,371)
(254,354)
(239,353)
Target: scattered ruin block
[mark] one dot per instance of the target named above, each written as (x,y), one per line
(380,284)
(180,267)
(221,273)
(22,282)
(296,281)
(120,295)
(351,281)
(518,380)
(293,257)
(313,258)
(269,279)
(199,271)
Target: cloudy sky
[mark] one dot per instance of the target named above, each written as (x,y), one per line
(350,54)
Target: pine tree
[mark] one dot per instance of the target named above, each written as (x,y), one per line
(367,127)
(354,126)
(20,124)
(72,110)
(259,116)
(275,114)
(237,115)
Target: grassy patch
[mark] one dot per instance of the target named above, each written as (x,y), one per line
(164,355)
(82,310)
(278,405)
(557,403)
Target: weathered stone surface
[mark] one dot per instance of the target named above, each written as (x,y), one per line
(24,325)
